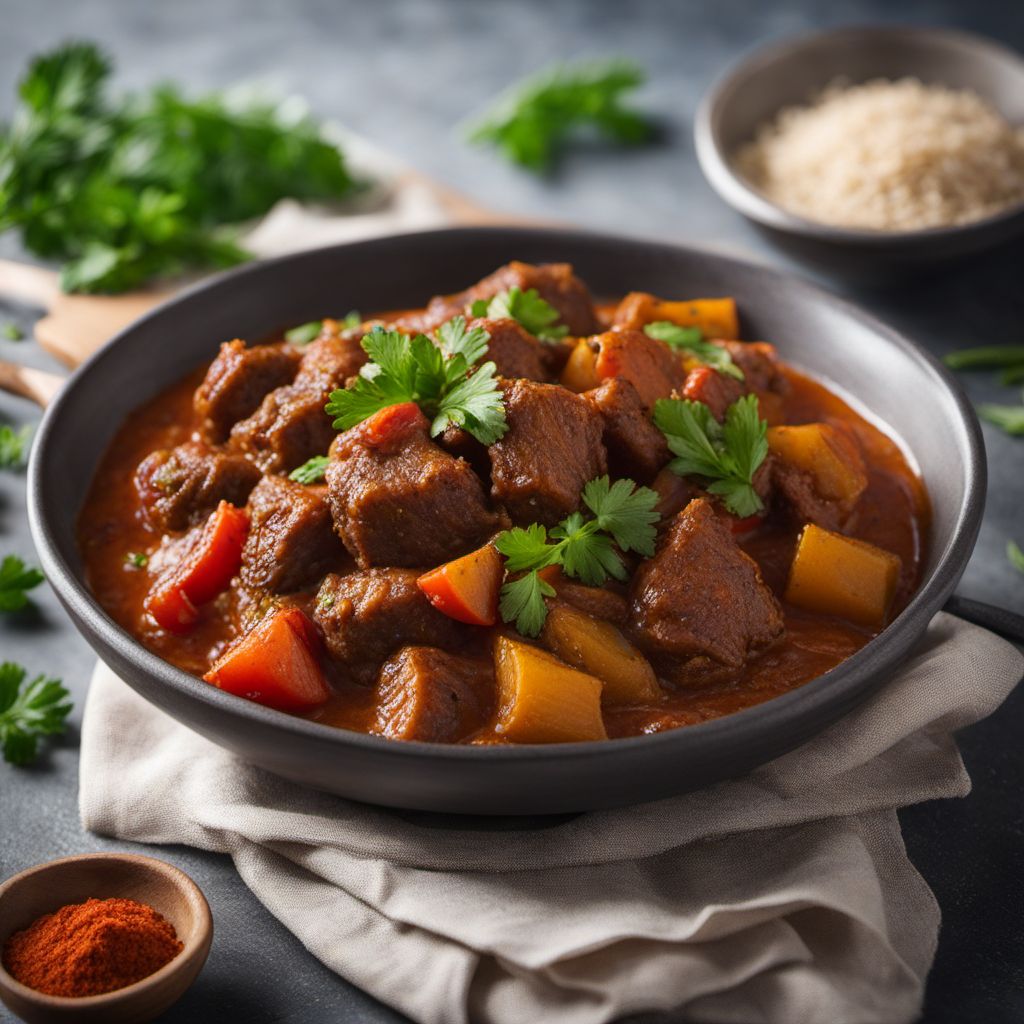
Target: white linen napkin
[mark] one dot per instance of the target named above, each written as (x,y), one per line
(783,897)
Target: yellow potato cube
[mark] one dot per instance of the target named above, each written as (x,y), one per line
(543,700)
(717,318)
(598,648)
(826,453)
(838,575)
(580,372)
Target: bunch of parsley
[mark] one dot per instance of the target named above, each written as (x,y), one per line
(623,516)
(126,190)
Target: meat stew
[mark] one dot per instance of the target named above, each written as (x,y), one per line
(615,518)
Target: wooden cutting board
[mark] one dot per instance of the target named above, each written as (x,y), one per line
(75,326)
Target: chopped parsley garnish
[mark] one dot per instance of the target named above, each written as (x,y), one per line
(13,444)
(26,713)
(1007,417)
(1015,555)
(985,357)
(727,455)
(311,471)
(691,341)
(15,582)
(124,189)
(304,333)
(436,377)
(12,332)
(136,560)
(532,122)
(623,515)
(533,313)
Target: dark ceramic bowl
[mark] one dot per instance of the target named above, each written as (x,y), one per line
(789,73)
(888,375)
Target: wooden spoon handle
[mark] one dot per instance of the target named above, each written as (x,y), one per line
(23,282)
(36,385)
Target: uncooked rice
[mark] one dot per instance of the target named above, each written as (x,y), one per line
(889,155)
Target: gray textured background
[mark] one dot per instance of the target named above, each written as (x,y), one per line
(405,74)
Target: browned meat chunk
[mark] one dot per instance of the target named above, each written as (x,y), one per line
(291,541)
(759,362)
(409,503)
(330,360)
(237,380)
(551,450)
(555,283)
(179,486)
(600,602)
(429,695)
(636,447)
(649,365)
(289,427)
(366,616)
(515,352)
(714,389)
(701,597)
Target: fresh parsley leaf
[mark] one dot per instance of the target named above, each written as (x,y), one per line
(1007,417)
(585,548)
(311,471)
(728,456)
(351,320)
(15,582)
(12,446)
(136,560)
(691,341)
(403,369)
(12,332)
(985,357)
(126,189)
(304,333)
(1015,555)
(534,314)
(533,122)
(38,709)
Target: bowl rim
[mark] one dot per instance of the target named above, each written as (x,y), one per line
(731,186)
(171,875)
(744,724)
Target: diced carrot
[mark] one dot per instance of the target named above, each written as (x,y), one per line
(467,588)
(204,573)
(746,524)
(274,664)
(391,425)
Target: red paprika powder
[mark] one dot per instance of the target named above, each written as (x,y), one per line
(88,948)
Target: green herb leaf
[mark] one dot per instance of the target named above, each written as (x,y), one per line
(1007,417)
(124,190)
(136,560)
(1015,555)
(15,582)
(584,548)
(38,709)
(691,340)
(311,471)
(304,333)
(403,369)
(13,444)
(12,332)
(1012,375)
(533,313)
(453,339)
(532,123)
(728,456)
(985,357)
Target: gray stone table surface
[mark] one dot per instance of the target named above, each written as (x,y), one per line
(405,74)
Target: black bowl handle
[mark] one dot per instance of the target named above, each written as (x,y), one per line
(999,620)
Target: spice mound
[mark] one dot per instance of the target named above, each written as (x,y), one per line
(85,949)
(890,156)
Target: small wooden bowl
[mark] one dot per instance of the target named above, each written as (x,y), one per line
(48,887)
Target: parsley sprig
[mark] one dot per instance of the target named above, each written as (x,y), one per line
(13,446)
(311,471)
(728,454)
(623,515)
(307,332)
(16,579)
(26,713)
(534,314)
(691,341)
(433,374)
(532,122)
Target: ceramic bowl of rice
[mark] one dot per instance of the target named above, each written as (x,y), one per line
(872,152)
